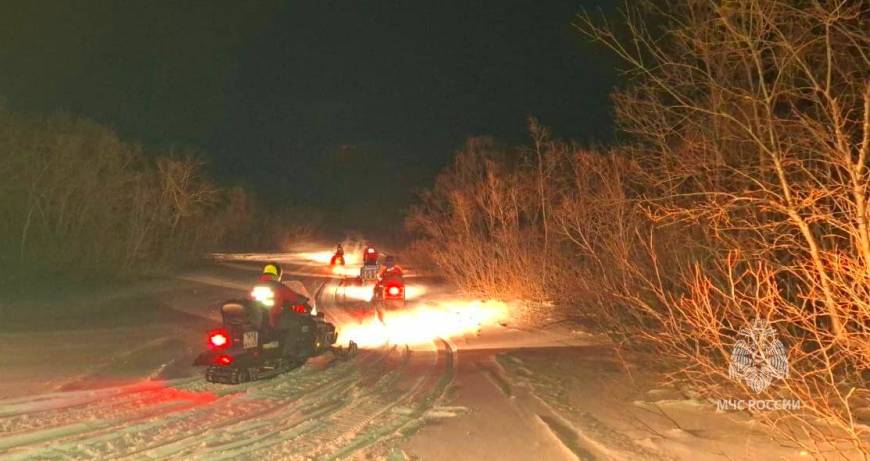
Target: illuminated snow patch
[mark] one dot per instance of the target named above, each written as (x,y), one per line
(423,323)
(414,291)
(366,291)
(351,257)
(358,292)
(345,271)
(320,257)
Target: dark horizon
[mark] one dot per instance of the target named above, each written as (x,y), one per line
(347,108)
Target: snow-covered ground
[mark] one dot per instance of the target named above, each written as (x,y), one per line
(445,378)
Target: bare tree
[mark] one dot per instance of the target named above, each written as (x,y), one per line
(752,120)
(77,199)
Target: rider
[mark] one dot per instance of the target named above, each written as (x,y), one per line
(288,311)
(390,270)
(275,295)
(389,273)
(370,256)
(338,257)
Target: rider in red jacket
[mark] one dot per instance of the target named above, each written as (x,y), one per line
(390,274)
(390,270)
(271,293)
(370,256)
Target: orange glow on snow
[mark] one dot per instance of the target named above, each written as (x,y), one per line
(358,292)
(320,257)
(423,323)
(366,291)
(414,291)
(345,271)
(352,260)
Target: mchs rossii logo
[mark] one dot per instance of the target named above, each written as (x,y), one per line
(757,359)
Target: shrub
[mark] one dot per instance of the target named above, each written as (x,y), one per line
(739,193)
(77,200)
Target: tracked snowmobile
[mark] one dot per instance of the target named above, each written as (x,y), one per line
(370,268)
(390,292)
(338,258)
(390,287)
(246,349)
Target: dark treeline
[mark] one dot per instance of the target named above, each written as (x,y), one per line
(76,200)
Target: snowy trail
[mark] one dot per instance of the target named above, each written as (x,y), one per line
(325,409)
(451,382)
(339,407)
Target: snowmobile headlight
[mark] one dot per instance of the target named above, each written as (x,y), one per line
(393,291)
(263,295)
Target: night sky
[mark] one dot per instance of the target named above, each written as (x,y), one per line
(347,107)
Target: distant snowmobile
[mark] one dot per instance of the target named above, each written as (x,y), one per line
(338,257)
(246,349)
(370,255)
(370,268)
(390,289)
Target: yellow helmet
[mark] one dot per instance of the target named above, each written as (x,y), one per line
(272,269)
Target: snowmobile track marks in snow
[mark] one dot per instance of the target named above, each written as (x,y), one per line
(496,376)
(316,421)
(568,437)
(325,410)
(277,396)
(110,435)
(294,406)
(65,401)
(326,401)
(419,401)
(307,418)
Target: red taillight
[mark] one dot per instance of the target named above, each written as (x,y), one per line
(394,290)
(300,308)
(218,339)
(223,360)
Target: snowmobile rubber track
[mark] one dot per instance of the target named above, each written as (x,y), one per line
(225,375)
(233,375)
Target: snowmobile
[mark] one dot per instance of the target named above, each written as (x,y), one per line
(337,258)
(390,292)
(246,349)
(370,268)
